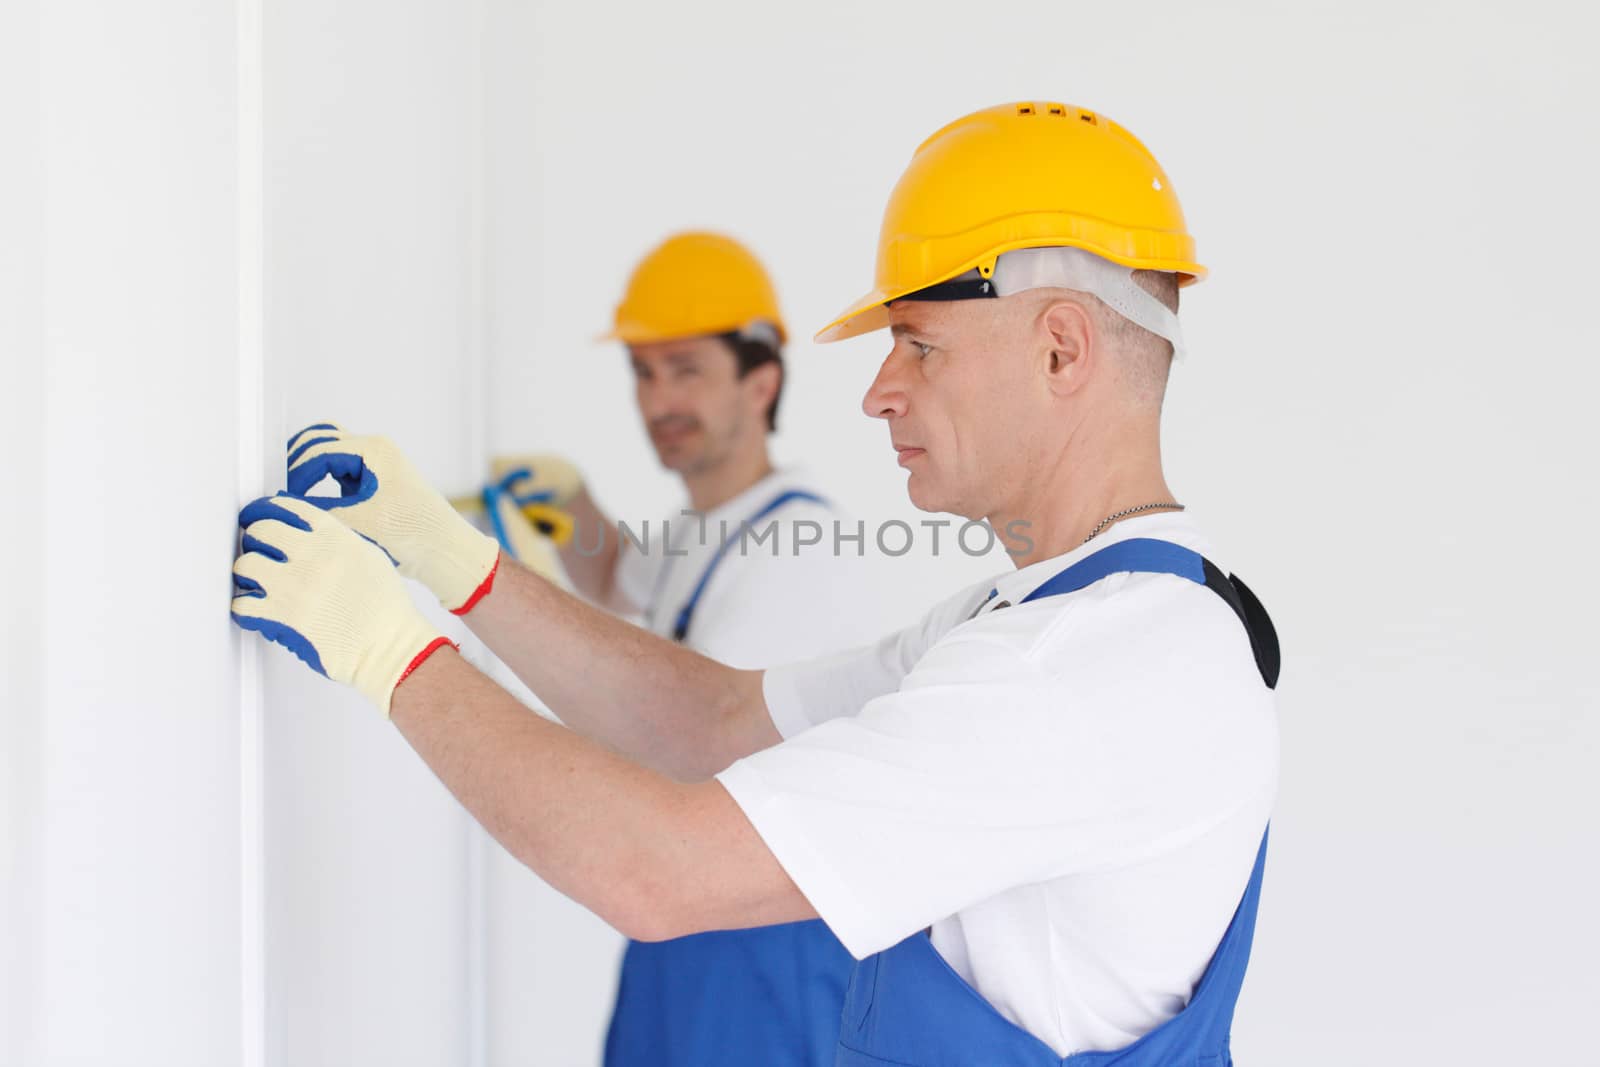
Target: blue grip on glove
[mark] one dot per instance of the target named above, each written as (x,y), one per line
(506,487)
(357,481)
(276,632)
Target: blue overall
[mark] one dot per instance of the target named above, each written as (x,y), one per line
(907,1007)
(768,997)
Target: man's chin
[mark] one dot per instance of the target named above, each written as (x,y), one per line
(928,497)
(676,460)
(923,496)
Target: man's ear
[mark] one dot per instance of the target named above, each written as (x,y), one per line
(763,381)
(1070,341)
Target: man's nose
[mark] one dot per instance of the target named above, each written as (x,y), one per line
(656,398)
(886,396)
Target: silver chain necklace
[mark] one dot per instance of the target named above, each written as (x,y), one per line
(1124,513)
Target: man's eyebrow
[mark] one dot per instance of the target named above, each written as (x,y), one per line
(918,327)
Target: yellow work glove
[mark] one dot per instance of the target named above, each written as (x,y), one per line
(383,498)
(548,477)
(306,581)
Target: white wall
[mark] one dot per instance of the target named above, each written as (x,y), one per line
(1383,419)
(370,183)
(219,227)
(133,951)
(21,538)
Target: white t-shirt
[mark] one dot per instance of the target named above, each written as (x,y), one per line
(1070,792)
(774,597)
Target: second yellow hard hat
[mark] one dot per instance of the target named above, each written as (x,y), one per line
(695,284)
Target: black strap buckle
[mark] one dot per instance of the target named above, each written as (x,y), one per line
(955,289)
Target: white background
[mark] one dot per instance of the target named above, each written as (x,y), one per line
(413,217)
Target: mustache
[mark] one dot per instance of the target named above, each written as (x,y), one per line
(667,423)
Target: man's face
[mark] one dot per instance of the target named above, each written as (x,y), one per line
(960,402)
(695,406)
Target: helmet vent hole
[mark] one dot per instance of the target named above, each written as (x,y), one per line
(1087,116)
(1057,109)
(1025,109)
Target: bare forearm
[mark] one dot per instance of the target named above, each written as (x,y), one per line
(590,558)
(652,700)
(653,857)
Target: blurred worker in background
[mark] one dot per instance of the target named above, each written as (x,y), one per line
(705,337)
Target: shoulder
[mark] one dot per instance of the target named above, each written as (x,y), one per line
(1137,624)
(1156,653)
(1155,680)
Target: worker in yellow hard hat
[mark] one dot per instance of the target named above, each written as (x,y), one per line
(1037,818)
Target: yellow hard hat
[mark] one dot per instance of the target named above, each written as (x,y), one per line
(1024,175)
(694,284)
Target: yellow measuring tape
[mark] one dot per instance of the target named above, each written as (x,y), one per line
(546,518)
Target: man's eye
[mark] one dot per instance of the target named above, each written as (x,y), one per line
(922,348)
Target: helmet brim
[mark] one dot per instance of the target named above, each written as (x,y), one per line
(871,312)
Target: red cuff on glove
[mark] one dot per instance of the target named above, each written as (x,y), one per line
(477,594)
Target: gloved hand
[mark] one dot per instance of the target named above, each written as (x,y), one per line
(534,505)
(384,499)
(517,532)
(549,477)
(309,583)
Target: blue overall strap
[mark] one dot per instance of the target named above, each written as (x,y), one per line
(1141,554)
(680,628)
(1146,555)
